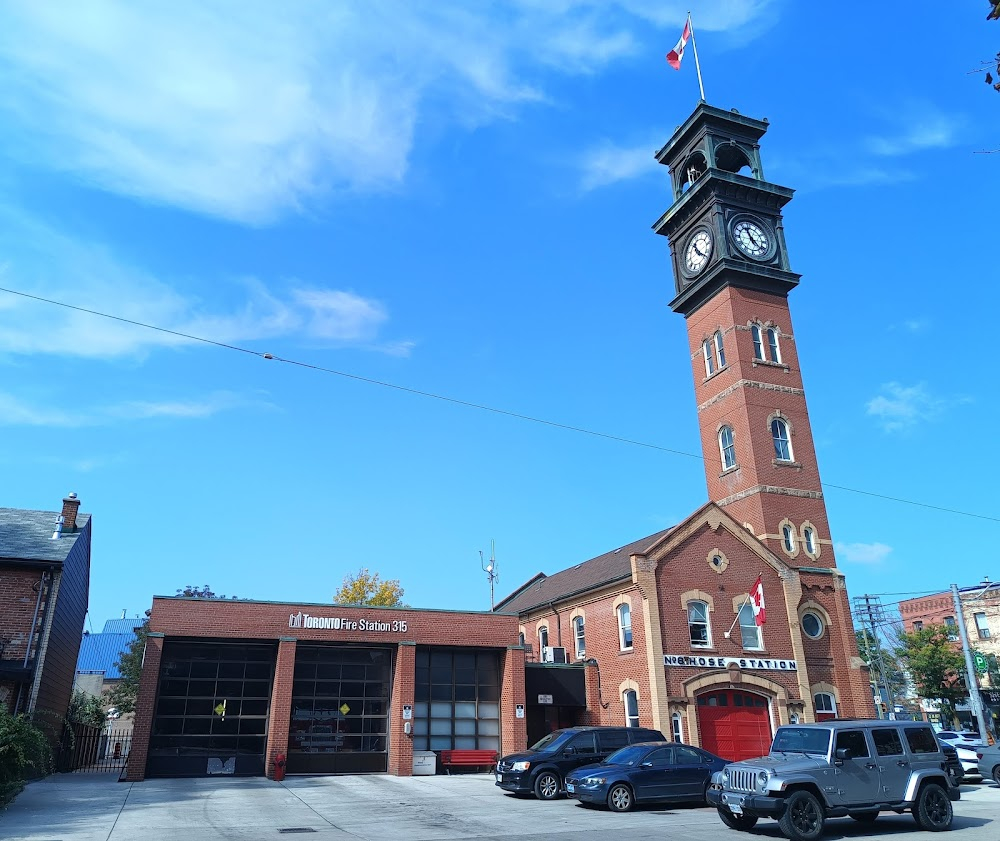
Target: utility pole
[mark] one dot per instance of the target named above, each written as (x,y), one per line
(490,569)
(871,610)
(975,701)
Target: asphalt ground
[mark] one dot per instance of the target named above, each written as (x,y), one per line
(94,807)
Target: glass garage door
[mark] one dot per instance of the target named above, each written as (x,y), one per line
(340,710)
(456,700)
(211,709)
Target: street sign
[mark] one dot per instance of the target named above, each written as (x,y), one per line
(981,665)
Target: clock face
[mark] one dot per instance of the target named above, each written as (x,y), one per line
(751,239)
(698,250)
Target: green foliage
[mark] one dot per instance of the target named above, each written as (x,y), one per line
(367,588)
(24,754)
(204,592)
(895,676)
(930,657)
(86,709)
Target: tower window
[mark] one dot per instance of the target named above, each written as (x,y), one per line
(698,624)
(788,537)
(782,442)
(720,352)
(706,349)
(758,342)
(773,351)
(727,448)
(809,539)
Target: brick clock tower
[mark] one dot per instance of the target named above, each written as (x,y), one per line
(732,278)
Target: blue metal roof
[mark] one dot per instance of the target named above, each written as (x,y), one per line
(122,626)
(100,653)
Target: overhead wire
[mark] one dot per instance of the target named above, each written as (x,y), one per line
(454,400)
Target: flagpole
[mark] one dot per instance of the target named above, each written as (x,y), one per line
(701,86)
(746,601)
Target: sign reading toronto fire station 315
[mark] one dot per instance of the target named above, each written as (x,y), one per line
(763,663)
(339,623)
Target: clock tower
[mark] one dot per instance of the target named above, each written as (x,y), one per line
(732,279)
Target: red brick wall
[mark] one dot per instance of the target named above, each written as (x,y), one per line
(18,597)
(405,627)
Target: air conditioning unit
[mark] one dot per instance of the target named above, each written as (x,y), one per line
(553,654)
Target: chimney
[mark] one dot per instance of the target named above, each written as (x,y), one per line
(70,506)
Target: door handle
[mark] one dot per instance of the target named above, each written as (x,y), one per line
(902,763)
(871,765)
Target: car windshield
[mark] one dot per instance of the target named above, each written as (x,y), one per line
(626,756)
(557,737)
(801,740)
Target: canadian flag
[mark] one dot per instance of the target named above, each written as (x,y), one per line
(677,53)
(757,602)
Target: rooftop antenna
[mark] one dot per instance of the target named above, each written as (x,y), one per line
(490,569)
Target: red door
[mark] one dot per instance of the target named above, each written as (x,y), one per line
(734,724)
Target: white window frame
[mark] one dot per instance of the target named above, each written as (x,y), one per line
(708,625)
(819,618)
(983,626)
(773,345)
(746,612)
(720,351)
(781,432)
(624,610)
(788,537)
(630,719)
(543,639)
(809,539)
(730,448)
(829,696)
(758,342)
(580,637)
(676,728)
(706,350)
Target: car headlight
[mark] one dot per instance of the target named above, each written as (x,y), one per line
(725,777)
(524,765)
(762,779)
(593,781)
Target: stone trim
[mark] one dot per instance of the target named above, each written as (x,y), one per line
(736,386)
(771,489)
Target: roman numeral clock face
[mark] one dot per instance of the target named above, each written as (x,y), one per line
(751,239)
(699,249)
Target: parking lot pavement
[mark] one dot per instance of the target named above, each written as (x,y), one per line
(80,807)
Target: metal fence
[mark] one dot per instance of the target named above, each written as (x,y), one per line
(95,750)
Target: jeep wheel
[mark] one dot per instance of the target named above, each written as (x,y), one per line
(743,823)
(547,786)
(620,798)
(803,817)
(996,775)
(933,808)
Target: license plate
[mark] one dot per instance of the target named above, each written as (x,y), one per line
(570,788)
(499,778)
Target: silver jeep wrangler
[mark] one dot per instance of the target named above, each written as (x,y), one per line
(838,768)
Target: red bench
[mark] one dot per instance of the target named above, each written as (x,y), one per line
(471,758)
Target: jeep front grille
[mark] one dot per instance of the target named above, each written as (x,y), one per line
(742,780)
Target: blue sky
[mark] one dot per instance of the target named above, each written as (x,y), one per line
(457,198)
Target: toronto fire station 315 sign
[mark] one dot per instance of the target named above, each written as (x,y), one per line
(340,623)
(762,663)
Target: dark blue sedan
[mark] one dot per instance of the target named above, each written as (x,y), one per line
(648,772)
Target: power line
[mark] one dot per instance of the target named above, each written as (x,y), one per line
(456,401)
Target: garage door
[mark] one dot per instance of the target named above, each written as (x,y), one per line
(734,724)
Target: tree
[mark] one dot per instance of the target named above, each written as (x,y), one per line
(935,666)
(86,709)
(123,694)
(367,588)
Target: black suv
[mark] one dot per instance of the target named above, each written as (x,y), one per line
(543,767)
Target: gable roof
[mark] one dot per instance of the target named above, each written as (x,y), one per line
(604,569)
(27,535)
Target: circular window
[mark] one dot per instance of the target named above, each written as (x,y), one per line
(812,624)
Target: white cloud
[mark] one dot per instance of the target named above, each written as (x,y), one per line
(88,275)
(17,412)
(899,406)
(250,110)
(925,127)
(608,164)
(863,553)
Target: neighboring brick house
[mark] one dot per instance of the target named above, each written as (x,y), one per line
(44,587)
(228,686)
(648,624)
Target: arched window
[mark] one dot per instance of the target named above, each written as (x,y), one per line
(543,639)
(706,349)
(749,631)
(727,448)
(520,638)
(782,442)
(579,637)
(809,539)
(788,537)
(720,351)
(698,625)
(675,728)
(758,342)
(826,706)
(773,351)
(631,700)
(624,627)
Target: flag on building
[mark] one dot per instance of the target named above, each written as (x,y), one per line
(677,53)
(757,602)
